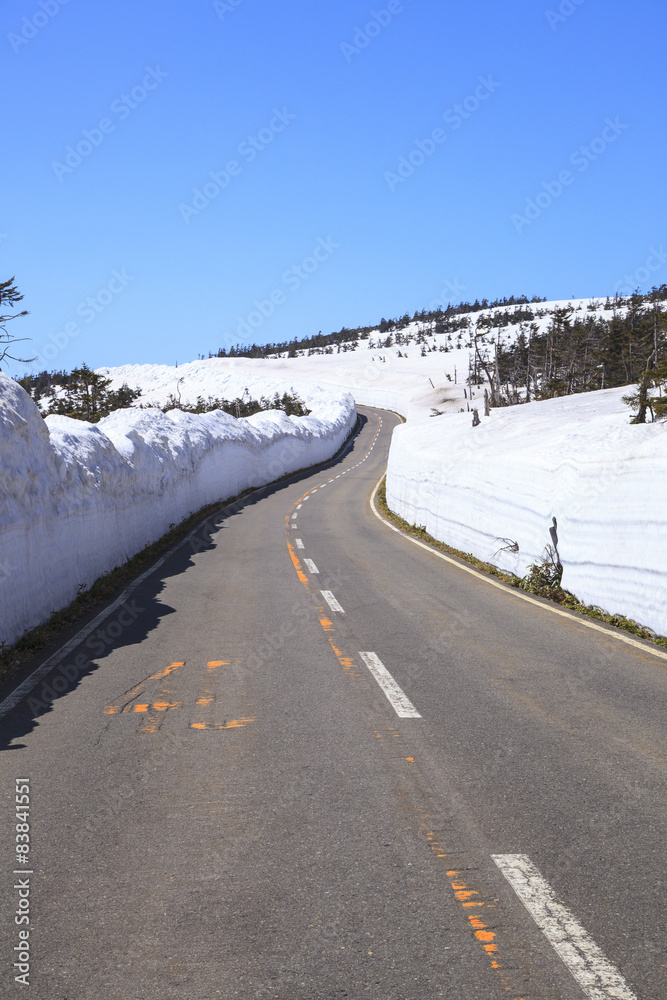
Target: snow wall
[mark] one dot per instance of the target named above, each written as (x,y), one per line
(78,499)
(577,459)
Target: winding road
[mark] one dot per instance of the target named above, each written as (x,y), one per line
(307,758)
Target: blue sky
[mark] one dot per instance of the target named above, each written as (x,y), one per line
(182,176)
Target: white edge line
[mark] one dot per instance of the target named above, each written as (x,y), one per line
(332,602)
(31,682)
(511,592)
(395,695)
(598,978)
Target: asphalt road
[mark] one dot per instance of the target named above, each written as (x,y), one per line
(224,802)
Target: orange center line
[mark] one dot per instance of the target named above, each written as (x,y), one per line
(346,662)
(469,898)
(481,930)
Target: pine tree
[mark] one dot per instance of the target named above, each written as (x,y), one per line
(656,379)
(86,396)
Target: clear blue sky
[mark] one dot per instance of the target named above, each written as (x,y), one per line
(181,88)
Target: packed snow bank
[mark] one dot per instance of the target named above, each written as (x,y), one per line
(78,499)
(578,459)
(365,376)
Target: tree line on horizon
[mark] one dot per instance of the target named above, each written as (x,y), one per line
(441,318)
(579,351)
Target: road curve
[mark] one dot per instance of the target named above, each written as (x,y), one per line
(309,759)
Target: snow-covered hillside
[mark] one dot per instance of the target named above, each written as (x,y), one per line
(78,499)
(413,379)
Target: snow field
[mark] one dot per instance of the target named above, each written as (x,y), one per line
(487,489)
(412,384)
(78,499)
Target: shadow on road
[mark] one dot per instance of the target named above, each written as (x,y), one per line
(142,612)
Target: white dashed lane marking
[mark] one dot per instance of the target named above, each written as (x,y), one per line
(597,977)
(332,602)
(328,596)
(345,471)
(395,695)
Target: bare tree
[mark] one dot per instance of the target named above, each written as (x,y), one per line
(9,296)
(481,359)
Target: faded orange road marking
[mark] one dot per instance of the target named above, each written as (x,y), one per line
(470,898)
(162,702)
(157,713)
(295,559)
(161,674)
(129,696)
(346,662)
(124,707)
(208,697)
(232,724)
